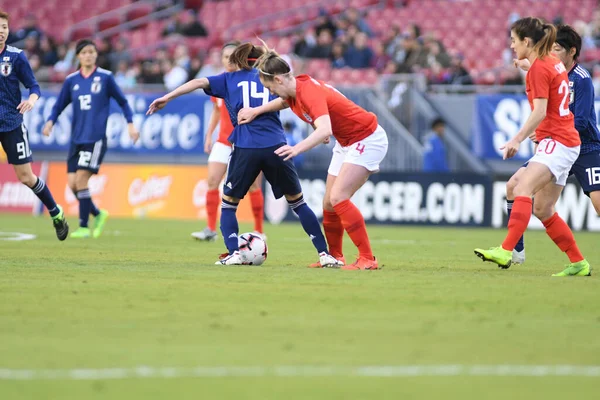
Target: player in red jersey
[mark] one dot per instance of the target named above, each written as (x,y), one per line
(361,146)
(547,86)
(218,160)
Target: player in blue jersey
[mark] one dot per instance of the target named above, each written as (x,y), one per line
(15,68)
(581,103)
(254,146)
(90,90)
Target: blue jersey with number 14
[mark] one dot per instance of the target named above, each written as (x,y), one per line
(242,89)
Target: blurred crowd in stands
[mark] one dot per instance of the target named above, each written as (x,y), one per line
(346,40)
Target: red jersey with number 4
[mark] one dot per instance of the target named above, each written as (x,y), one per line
(225,125)
(547,79)
(349,122)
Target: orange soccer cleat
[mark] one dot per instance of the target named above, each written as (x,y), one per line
(362,263)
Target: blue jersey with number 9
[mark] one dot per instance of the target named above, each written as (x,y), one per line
(242,89)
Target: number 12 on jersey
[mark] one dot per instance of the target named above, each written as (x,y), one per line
(250,89)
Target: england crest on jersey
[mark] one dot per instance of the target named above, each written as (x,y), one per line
(5,68)
(307,117)
(96,85)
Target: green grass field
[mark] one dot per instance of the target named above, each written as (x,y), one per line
(145,294)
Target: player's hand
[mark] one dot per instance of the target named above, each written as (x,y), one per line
(156,105)
(246,115)
(134,135)
(26,105)
(47,128)
(523,64)
(532,137)
(208,145)
(287,152)
(510,149)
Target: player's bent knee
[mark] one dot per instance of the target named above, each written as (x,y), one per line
(27,178)
(543,211)
(327,206)
(337,198)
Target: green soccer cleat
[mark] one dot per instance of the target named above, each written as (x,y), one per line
(81,233)
(60,225)
(503,258)
(581,268)
(99,221)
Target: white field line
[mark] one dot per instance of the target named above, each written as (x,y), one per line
(399,371)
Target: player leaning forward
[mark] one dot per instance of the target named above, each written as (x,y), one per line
(361,146)
(15,68)
(547,87)
(90,90)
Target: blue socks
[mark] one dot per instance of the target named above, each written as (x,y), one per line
(520,246)
(229,225)
(43,193)
(310,223)
(85,205)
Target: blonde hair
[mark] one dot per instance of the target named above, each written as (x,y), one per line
(272,64)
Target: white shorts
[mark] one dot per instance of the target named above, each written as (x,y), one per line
(557,157)
(220,153)
(368,153)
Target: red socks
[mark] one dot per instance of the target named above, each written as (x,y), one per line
(334,232)
(561,234)
(258,209)
(213,199)
(517,224)
(354,224)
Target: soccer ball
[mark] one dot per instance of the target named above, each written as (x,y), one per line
(253,248)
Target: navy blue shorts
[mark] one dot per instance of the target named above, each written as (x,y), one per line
(16,146)
(587,171)
(245,165)
(87,156)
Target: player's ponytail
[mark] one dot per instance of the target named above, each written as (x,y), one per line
(246,55)
(271,64)
(541,34)
(544,46)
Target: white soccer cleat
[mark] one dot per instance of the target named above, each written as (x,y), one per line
(232,259)
(328,261)
(518,257)
(205,235)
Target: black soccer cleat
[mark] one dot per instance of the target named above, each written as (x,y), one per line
(60,225)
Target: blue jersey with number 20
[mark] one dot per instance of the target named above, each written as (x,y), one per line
(242,89)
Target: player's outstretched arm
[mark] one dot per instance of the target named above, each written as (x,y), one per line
(246,115)
(523,64)
(194,84)
(323,131)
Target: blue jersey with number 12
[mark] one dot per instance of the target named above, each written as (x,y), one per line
(242,89)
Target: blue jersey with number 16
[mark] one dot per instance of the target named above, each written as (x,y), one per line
(242,89)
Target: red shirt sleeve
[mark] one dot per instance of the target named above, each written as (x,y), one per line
(540,83)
